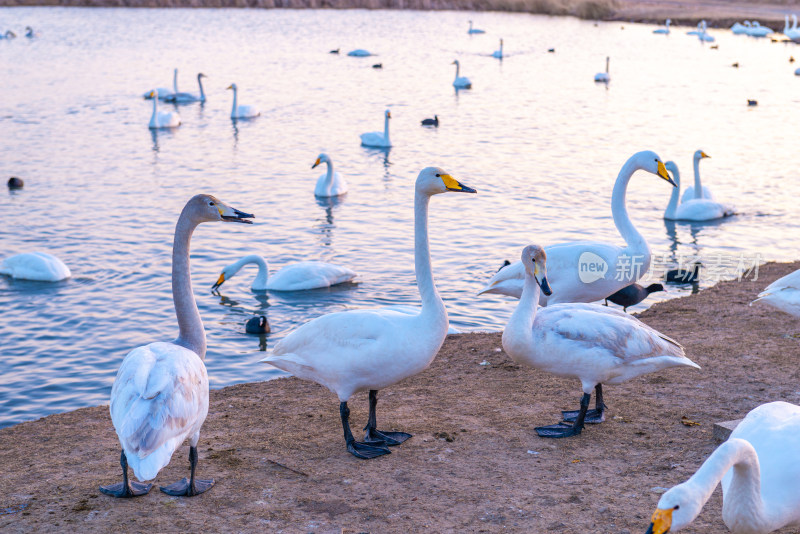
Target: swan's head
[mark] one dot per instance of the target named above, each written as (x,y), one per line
(669,21)
(650,162)
(152,94)
(322,158)
(388,114)
(677,508)
(534,259)
(700,155)
(455,62)
(232,86)
(433,180)
(207,208)
(201,75)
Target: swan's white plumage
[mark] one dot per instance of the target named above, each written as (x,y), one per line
(499,52)
(665,29)
(474,30)
(603,76)
(689,192)
(460,82)
(39,266)
(378,139)
(692,209)
(329,183)
(163,119)
(186,98)
(299,276)
(359,52)
(159,399)
(240,111)
(783,294)
(162,92)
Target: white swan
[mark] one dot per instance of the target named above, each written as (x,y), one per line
(792,33)
(461,82)
(757,30)
(759,467)
(238,111)
(359,52)
(664,30)
(569,282)
(185,98)
(360,350)
(738,28)
(783,294)
(162,92)
(296,277)
(160,394)
(693,209)
(699,29)
(702,34)
(698,190)
(330,183)
(474,30)
(8,35)
(378,139)
(498,53)
(39,266)
(29,33)
(595,344)
(162,119)
(604,77)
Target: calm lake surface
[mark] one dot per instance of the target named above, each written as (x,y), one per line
(539,140)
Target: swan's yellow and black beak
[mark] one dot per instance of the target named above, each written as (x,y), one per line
(152,94)
(454,185)
(662,172)
(388,114)
(315,163)
(704,155)
(219,282)
(661,522)
(229,214)
(229,87)
(544,284)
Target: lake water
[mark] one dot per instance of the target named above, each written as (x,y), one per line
(539,140)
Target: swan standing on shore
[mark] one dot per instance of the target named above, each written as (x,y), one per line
(474,30)
(604,77)
(461,82)
(361,350)
(692,209)
(162,92)
(664,30)
(330,183)
(592,343)
(568,281)
(783,294)
(297,277)
(759,468)
(241,111)
(378,139)
(698,190)
(39,266)
(162,119)
(160,395)
(498,53)
(185,98)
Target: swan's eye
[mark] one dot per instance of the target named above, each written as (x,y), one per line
(438,175)
(210,203)
(677,506)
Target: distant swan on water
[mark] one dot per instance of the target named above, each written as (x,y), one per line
(378,139)
(39,266)
(474,30)
(240,111)
(185,98)
(461,82)
(162,119)
(163,92)
(603,77)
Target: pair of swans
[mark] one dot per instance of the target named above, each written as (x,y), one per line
(697,203)
(160,395)
(603,77)
(162,92)
(569,283)
(701,32)
(472,30)
(595,344)
(8,35)
(792,33)
(161,119)
(329,183)
(187,98)
(38,266)
(664,30)
(759,469)
(368,350)
(753,28)
(240,111)
(460,82)
(378,139)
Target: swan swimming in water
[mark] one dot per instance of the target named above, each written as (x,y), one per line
(498,53)
(330,183)
(664,30)
(474,30)
(738,28)
(368,350)
(692,209)
(698,190)
(162,119)
(241,111)
(162,92)
(604,77)
(360,52)
(378,139)
(160,394)
(39,266)
(185,98)
(759,468)
(461,82)
(297,277)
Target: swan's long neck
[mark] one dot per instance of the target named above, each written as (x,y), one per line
(607,61)
(432,304)
(675,196)
(458,69)
(329,163)
(175,81)
(385,133)
(192,334)
(155,109)
(200,84)
(622,221)
(520,324)
(233,111)
(698,187)
(785,23)
(263,268)
(794,22)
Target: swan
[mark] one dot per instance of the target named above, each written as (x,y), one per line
(378,139)
(184,98)
(8,35)
(297,277)
(792,33)
(797,72)
(360,350)
(592,343)
(568,281)
(604,77)
(330,183)
(690,208)
(162,92)
(632,295)
(160,394)
(699,29)
(461,82)
(664,30)
(39,266)
(359,52)
(498,53)
(162,119)
(783,294)
(241,112)
(740,28)
(474,30)
(29,33)
(759,467)
(691,191)
(757,30)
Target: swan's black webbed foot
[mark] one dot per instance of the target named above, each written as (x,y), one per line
(189,487)
(390,439)
(564,430)
(366,451)
(594,416)
(127,488)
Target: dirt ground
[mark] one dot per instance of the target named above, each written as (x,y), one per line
(474,464)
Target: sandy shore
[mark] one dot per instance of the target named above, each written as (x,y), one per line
(474,464)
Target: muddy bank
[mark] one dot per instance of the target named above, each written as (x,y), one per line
(474,464)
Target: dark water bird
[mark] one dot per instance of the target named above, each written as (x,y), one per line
(15,183)
(551,50)
(735,65)
(683,276)
(714,47)
(377,66)
(633,294)
(257,325)
(752,102)
(506,263)
(791,59)
(334,51)
(431,122)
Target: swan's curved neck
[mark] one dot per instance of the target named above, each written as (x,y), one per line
(385,133)
(520,324)
(622,221)
(200,84)
(175,81)
(329,163)
(458,69)
(192,334)
(263,269)
(675,196)
(233,111)
(698,187)
(794,22)
(607,61)
(431,301)
(155,107)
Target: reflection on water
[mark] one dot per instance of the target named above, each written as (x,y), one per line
(535,136)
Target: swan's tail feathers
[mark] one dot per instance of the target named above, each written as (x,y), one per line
(763,294)
(291,363)
(680,352)
(147,467)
